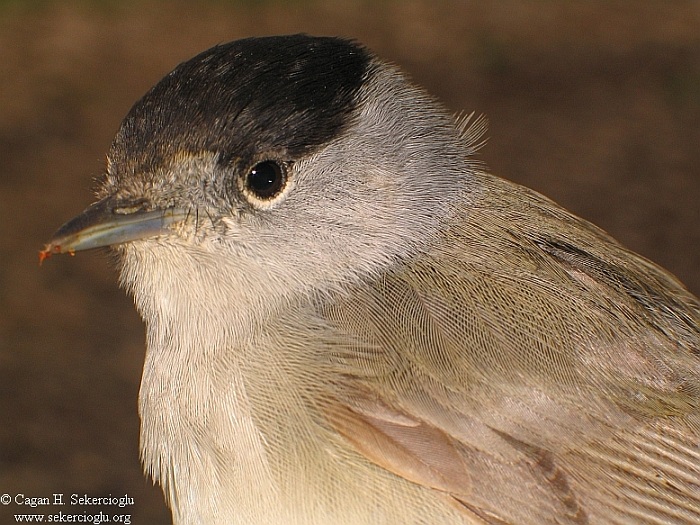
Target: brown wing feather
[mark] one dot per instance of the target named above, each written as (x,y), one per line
(418,452)
(555,374)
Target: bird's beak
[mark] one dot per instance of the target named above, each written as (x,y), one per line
(108,222)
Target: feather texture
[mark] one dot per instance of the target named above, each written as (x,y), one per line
(555,372)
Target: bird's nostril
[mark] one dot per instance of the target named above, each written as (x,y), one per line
(132,207)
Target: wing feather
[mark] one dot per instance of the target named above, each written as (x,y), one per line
(549,376)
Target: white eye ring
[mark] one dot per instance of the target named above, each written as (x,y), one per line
(265,184)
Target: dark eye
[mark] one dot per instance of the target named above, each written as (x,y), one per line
(266,180)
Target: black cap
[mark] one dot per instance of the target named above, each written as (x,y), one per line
(283,94)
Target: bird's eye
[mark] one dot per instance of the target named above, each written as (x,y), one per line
(265,180)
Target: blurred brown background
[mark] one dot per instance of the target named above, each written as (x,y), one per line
(595,104)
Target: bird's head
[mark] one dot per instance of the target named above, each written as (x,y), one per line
(270,168)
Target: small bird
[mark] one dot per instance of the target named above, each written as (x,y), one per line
(349,321)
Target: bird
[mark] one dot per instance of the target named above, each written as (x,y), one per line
(350,320)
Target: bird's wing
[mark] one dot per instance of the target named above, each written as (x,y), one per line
(561,389)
